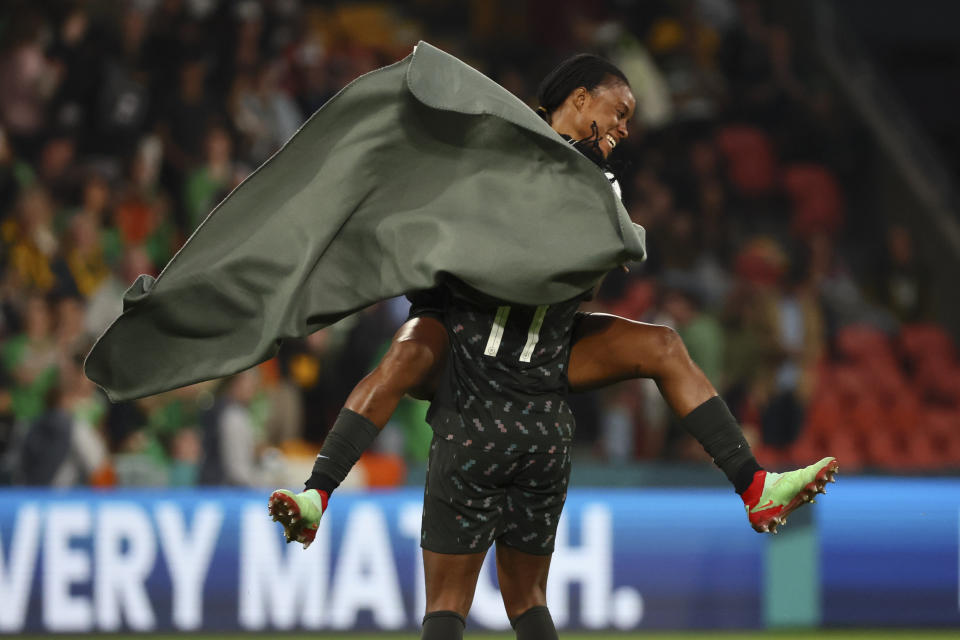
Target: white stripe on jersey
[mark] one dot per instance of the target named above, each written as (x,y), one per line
(533,334)
(496,333)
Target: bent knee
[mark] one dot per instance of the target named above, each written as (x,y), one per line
(668,342)
(663,350)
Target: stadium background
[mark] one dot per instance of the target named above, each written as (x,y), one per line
(794,165)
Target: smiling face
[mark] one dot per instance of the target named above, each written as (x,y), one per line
(610,105)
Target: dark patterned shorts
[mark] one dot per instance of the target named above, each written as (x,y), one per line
(474,498)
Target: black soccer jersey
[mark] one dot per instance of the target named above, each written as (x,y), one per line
(505,385)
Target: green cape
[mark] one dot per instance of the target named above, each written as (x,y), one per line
(413,171)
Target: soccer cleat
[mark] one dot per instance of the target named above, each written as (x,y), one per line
(298,513)
(771,497)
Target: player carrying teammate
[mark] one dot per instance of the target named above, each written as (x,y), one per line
(497,375)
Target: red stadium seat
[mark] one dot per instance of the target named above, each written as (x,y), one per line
(849,382)
(825,415)
(864,343)
(751,164)
(924,340)
(904,412)
(817,200)
(867,417)
(935,378)
(887,449)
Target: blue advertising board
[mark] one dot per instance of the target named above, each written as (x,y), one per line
(141,560)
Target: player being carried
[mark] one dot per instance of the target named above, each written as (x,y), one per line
(497,376)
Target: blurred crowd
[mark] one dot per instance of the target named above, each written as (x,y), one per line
(123,123)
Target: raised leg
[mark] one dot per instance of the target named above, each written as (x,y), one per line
(412,366)
(608,349)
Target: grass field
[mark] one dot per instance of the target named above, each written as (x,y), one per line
(845,634)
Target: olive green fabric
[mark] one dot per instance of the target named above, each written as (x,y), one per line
(416,170)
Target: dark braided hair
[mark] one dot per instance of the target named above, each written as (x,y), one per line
(582,70)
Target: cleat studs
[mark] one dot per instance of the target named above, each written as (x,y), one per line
(812,501)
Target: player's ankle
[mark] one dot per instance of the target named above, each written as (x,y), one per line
(319,498)
(746,476)
(755,489)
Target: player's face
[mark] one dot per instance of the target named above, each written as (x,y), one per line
(611,106)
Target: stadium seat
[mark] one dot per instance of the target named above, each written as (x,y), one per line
(888,449)
(863,343)
(904,412)
(751,164)
(817,200)
(922,340)
(867,417)
(824,414)
(849,381)
(935,378)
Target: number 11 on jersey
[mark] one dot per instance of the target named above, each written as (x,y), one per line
(499,325)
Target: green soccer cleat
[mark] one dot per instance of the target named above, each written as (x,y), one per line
(773,496)
(298,513)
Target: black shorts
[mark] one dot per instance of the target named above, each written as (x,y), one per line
(428,302)
(473,498)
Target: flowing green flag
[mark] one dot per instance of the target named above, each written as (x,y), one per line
(415,171)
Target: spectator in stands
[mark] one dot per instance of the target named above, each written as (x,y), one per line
(71,335)
(209,183)
(231,440)
(84,258)
(106,303)
(26,81)
(187,114)
(64,446)
(15,174)
(901,282)
(30,242)
(263,113)
(701,331)
(31,360)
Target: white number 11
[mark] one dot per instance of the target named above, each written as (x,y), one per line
(500,323)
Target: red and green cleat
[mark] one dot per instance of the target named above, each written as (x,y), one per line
(298,513)
(773,496)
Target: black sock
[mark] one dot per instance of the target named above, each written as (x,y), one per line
(717,430)
(534,624)
(349,437)
(443,625)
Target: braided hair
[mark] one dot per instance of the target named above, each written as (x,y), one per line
(582,70)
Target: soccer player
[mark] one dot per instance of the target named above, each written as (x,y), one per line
(497,375)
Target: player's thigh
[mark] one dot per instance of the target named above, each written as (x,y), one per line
(608,349)
(523,579)
(416,356)
(451,579)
